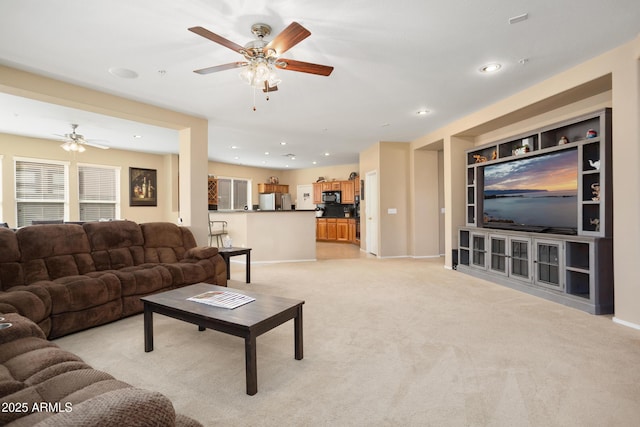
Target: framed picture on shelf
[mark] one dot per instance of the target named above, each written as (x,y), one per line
(143,187)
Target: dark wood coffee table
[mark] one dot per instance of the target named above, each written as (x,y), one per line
(247,321)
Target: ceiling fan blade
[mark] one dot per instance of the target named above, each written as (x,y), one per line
(94,145)
(223,67)
(289,37)
(304,67)
(216,38)
(268,88)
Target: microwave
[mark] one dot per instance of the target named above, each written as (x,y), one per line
(331,197)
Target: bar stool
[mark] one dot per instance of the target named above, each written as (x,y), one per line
(217,229)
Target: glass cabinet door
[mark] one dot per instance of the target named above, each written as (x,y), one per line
(520,259)
(478,251)
(498,257)
(548,264)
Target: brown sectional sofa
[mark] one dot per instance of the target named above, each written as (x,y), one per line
(43,385)
(56,279)
(69,277)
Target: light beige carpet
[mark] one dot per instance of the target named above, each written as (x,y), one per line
(394,342)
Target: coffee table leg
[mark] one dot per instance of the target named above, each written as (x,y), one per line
(297,328)
(148,329)
(251,365)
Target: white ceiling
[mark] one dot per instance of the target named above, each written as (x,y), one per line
(391,59)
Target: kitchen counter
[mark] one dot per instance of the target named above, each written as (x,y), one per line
(273,236)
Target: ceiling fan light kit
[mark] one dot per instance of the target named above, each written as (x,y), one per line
(76,143)
(262,58)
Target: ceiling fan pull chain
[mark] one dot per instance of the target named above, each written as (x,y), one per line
(254,98)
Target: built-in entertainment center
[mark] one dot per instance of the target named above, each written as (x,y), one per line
(539,213)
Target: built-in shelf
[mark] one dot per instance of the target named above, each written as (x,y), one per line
(573,268)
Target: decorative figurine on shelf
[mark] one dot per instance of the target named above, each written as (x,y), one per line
(273,180)
(591,133)
(596,222)
(595,165)
(494,155)
(596,191)
(563,140)
(479,158)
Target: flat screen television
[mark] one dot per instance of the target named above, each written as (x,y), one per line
(538,193)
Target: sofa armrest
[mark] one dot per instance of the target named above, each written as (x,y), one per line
(32,301)
(21,327)
(117,408)
(201,252)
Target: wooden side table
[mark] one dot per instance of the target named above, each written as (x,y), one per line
(227,253)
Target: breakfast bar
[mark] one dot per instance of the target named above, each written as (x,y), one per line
(273,236)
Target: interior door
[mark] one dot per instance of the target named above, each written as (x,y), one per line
(371,211)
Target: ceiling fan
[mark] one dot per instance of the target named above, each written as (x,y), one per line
(261,56)
(76,142)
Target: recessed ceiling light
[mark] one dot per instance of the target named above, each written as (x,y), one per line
(234,147)
(423,112)
(314,163)
(490,68)
(266,153)
(326,154)
(283,143)
(137,136)
(236,158)
(123,73)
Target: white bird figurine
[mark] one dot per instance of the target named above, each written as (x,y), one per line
(595,165)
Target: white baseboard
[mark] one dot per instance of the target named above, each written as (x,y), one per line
(625,323)
(276,261)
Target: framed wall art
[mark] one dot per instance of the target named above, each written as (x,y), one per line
(143,187)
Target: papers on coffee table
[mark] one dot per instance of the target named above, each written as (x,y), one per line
(224,299)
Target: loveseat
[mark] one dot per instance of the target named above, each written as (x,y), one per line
(43,385)
(70,277)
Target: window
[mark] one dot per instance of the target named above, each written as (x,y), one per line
(234,193)
(41,190)
(98,193)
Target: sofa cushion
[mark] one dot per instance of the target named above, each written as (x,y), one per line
(115,244)
(10,268)
(76,293)
(51,251)
(163,242)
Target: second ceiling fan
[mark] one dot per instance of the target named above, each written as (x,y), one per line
(261,57)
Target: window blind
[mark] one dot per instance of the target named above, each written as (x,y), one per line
(40,191)
(97,192)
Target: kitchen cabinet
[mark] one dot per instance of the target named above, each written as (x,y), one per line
(321,229)
(272,188)
(348,192)
(332,229)
(342,230)
(352,230)
(317,192)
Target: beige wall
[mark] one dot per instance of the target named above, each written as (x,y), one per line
(612,79)
(12,146)
(425,209)
(192,143)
